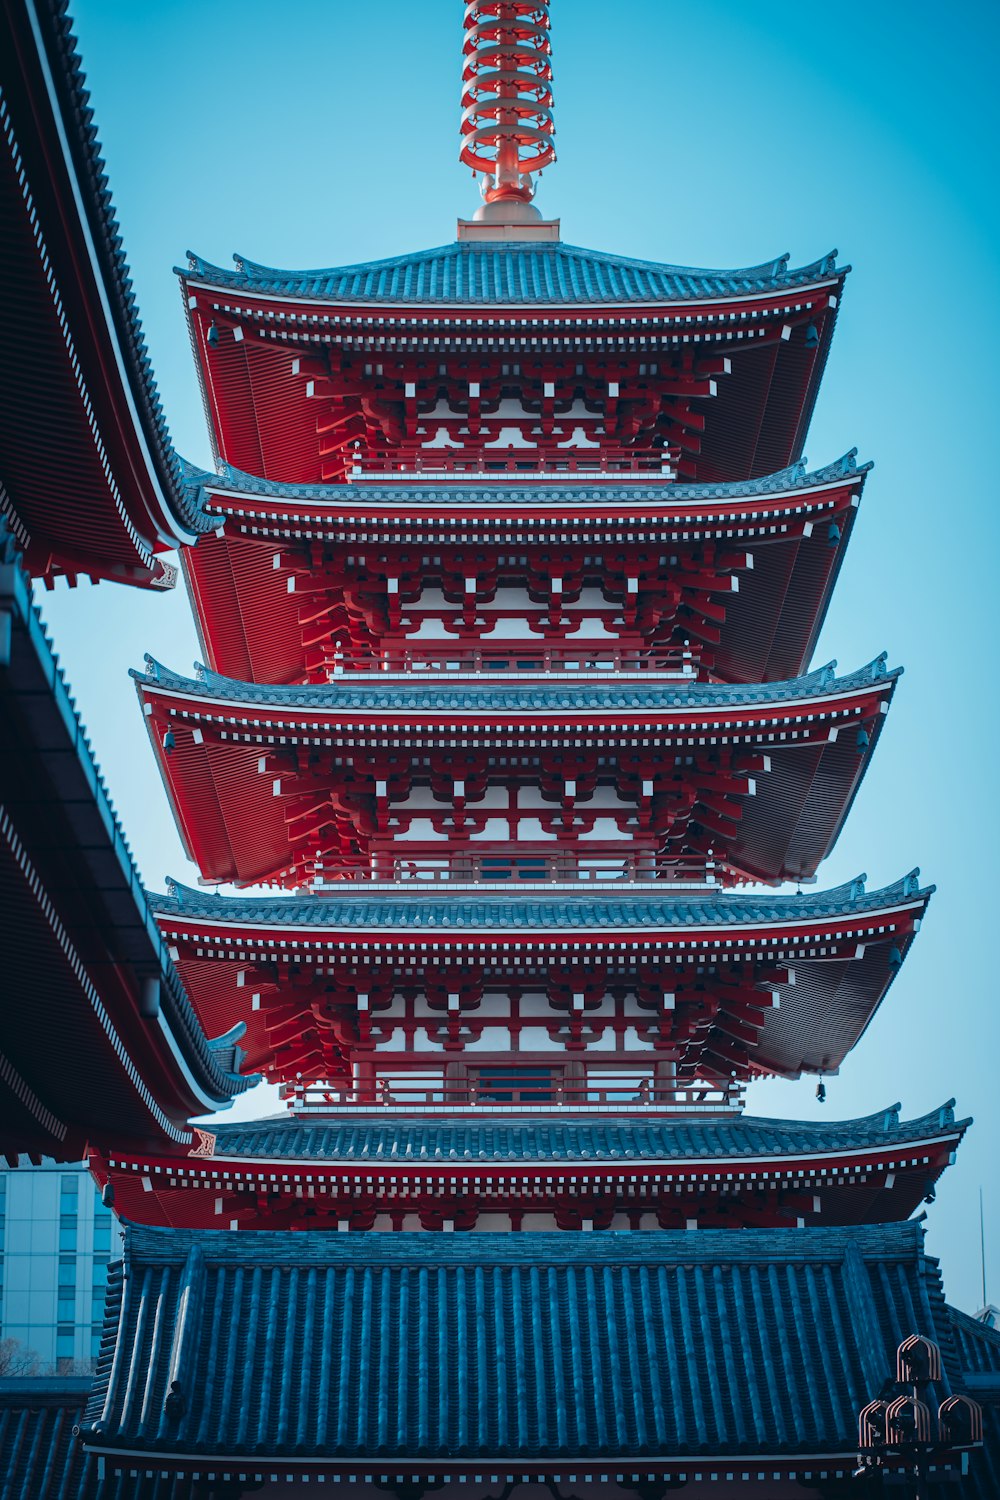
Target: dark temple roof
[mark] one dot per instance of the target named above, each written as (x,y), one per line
(601,1346)
(490,273)
(42,1459)
(79,386)
(978,1348)
(39,1457)
(75,907)
(625,909)
(382,1139)
(489,697)
(540,491)
(979,1351)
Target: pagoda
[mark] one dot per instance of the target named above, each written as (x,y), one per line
(508,581)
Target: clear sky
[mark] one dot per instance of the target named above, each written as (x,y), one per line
(717,134)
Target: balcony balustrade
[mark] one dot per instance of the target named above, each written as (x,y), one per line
(528,866)
(659,465)
(516,1090)
(438,657)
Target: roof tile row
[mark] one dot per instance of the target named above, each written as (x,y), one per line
(487,698)
(416,908)
(535,1345)
(543,491)
(380,1140)
(513,273)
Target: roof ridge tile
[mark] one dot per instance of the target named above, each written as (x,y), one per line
(542,487)
(583,909)
(485,695)
(524,272)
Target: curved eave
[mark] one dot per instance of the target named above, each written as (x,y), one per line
(508,1143)
(803,732)
(235,493)
(301,706)
(513,274)
(690,920)
(249,344)
(872,1170)
(86,940)
(82,388)
(777,532)
(844,947)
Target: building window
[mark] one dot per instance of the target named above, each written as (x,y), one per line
(67,1233)
(102,1236)
(67,1270)
(505,1085)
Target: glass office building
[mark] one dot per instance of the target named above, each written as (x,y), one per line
(56,1239)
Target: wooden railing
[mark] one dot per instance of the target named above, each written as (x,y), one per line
(543,465)
(406,865)
(518,656)
(433,1093)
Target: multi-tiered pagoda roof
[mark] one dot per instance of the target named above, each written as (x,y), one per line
(299,582)
(284,783)
(392,1172)
(307,375)
(726,985)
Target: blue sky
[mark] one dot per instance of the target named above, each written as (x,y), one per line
(715,135)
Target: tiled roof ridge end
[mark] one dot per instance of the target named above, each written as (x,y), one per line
(793,476)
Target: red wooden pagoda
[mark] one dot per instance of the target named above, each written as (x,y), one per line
(730,582)
(508,584)
(511,581)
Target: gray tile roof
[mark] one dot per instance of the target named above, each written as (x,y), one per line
(979,1347)
(505,273)
(39,1457)
(540,491)
(381,1140)
(597,697)
(602,1345)
(636,909)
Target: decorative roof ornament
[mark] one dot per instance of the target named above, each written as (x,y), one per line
(507,124)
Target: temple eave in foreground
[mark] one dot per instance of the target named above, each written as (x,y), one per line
(95,1001)
(105,499)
